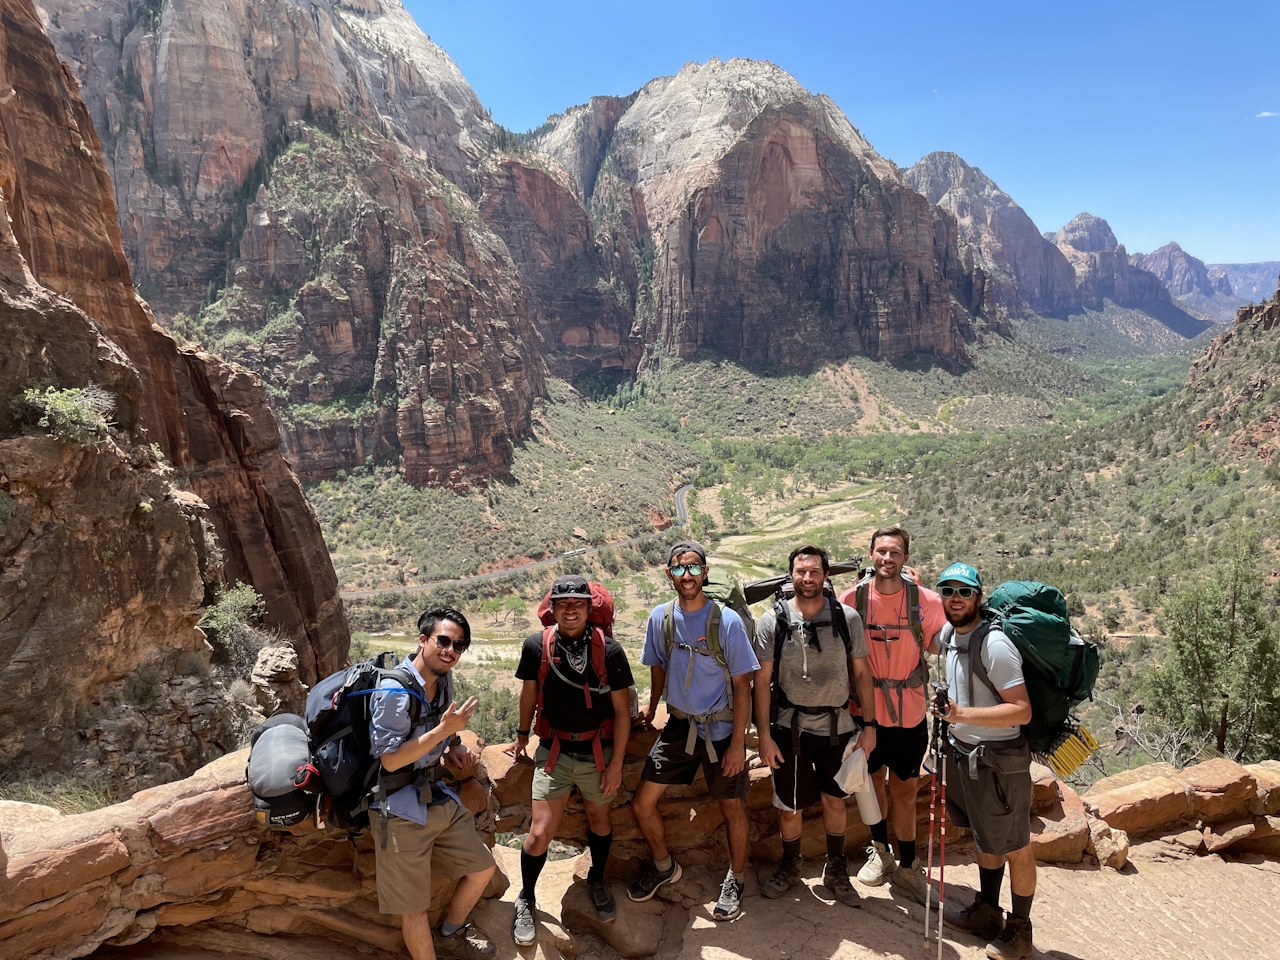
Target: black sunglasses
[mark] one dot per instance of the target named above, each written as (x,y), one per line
(964,593)
(695,569)
(446,642)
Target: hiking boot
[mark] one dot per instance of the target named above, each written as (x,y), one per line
(782,880)
(835,877)
(1014,942)
(879,866)
(650,880)
(522,931)
(730,903)
(979,918)
(602,900)
(465,944)
(911,881)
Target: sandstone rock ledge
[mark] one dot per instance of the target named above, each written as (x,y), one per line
(185,866)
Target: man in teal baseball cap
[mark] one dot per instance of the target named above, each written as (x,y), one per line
(991,759)
(962,574)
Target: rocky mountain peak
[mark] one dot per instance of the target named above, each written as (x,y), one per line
(1182,273)
(1030,274)
(941,171)
(1087,234)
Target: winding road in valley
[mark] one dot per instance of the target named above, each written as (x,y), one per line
(682,518)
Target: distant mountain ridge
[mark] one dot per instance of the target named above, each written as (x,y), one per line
(1081,266)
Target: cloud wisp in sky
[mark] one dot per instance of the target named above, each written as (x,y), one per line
(1266,113)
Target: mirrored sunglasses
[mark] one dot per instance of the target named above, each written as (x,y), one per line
(694,569)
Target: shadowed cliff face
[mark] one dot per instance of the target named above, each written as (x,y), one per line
(1030,274)
(109,552)
(778,233)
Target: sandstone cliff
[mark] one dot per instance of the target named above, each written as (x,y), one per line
(380,310)
(1030,274)
(1181,273)
(111,542)
(189,94)
(778,233)
(1102,266)
(317,161)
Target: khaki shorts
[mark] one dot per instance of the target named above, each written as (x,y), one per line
(447,844)
(571,771)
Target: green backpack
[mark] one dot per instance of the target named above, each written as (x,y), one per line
(725,589)
(1060,668)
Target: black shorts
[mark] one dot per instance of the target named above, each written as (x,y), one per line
(669,764)
(997,805)
(901,749)
(797,783)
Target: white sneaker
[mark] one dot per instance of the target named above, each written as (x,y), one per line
(879,867)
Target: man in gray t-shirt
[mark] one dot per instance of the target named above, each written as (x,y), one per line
(804,743)
(988,764)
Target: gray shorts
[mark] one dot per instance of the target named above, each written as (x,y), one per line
(997,805)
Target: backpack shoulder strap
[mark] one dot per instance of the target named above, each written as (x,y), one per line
(915,616)
(978,666)
(598,658)
(861,598)
(840,626)
(669,626)
(781,630)
(417,696)
(714,617)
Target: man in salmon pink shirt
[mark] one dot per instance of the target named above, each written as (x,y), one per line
(902,621)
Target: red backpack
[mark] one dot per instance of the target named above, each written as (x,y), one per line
(600,625)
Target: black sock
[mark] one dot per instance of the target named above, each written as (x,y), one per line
(530,868)
(835,845)
(791,849)
(991,881)
(880,833)
(906,852)
(1022,906)
(598,844)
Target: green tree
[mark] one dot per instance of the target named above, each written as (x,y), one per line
(1221,676)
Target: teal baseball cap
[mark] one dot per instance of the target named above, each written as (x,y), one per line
(961,573)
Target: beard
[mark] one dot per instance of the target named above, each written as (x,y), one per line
(807,590)
(959,620)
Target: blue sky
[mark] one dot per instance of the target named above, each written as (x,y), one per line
(1153,116)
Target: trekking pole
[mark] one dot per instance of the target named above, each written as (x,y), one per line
(942,845)
(933,806)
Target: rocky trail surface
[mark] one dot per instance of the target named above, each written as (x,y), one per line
(1200,908)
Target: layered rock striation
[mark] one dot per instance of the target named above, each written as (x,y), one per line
(190,93)
(1030,274)
(114,535)
(778,233)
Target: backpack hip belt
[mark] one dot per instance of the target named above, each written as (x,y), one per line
(691,741)
(798,709)
(553,752)
(917,679)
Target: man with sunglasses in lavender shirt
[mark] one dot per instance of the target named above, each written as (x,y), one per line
(698,652)
(430,834)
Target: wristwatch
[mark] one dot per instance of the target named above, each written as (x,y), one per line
(871,723)
(523,733)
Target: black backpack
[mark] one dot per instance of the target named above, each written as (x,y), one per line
(338,716)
